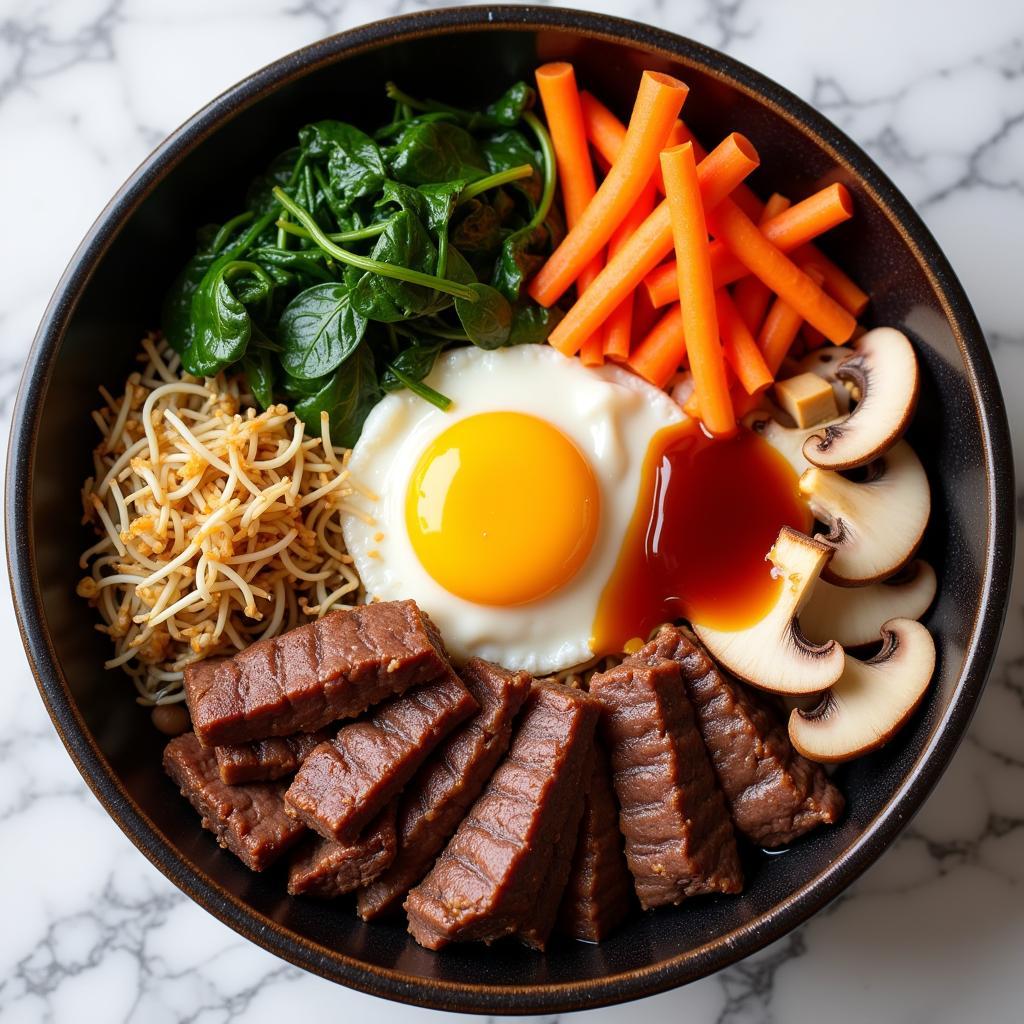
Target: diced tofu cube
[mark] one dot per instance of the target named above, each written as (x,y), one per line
(807,398)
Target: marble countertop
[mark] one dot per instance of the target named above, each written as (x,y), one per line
(934,932)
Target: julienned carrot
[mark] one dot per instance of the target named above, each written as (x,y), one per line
(618,328)
(658,356)
(606,134)
(780,329)
(786,231)
(813,338)
(731,225)
(740,348)
(556,83)
(752,296)
(838,283)
(744,197)
(719,173)
(700,317)
(742,403)
(658,102)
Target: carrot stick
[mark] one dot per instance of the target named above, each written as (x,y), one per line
(813,338)
(742,403)
(658,356)
(780,328)
(838,283)
(658,102)
(732,226)
(744,197)
(718,173)
(739,346)
(786,231)
(618,327)
(700,317)
(752,296)
(556,83)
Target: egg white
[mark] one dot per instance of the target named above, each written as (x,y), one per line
(609,413)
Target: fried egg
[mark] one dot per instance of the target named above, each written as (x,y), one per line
(504,517)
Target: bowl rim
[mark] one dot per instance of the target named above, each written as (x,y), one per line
(691,964)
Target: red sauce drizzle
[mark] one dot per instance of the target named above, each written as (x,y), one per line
(708,513)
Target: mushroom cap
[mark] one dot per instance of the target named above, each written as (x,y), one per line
(875,525)
(883,367)
(872,700)
(772,653)
(787,441)
(853,616)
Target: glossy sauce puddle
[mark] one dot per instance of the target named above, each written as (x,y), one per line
(707,514)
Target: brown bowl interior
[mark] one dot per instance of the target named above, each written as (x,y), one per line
(111,296)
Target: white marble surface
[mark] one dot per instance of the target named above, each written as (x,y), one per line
(935,931)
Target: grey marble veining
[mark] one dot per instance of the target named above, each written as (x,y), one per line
(935,931)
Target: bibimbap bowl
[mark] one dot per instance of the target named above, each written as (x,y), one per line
(110,295)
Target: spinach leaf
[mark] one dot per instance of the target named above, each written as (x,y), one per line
(405,243)
(319,330)
(441,198)
(414,362)
(509,107)
(259,375)
(176,317)
(435,151)
(395,128)
(293,387)
(221,324)
(520,256)
(260,197)
(512,149)
(347,398)
(290,266)
(531,324)
(354,161)
(479,229)
(488,321)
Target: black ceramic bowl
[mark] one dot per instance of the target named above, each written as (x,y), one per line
(110,295)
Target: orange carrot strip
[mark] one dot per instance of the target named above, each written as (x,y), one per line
(752,296)
(744,197)
(719,173)
(786,231)
(700,317)
(618,328)
(742,403)
(780,329)
(732,226)
(556,83)
(658,356)
(838,283)
(739,346)
(658,102)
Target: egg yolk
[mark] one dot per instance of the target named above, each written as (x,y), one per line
(502,509)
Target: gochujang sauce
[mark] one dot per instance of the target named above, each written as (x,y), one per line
(707,514)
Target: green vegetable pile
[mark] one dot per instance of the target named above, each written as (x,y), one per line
(358,258)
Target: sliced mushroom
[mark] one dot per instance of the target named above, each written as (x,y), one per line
(872,699)
(787,441)
(875,525)
(853,616)
(772,653)
(883,367)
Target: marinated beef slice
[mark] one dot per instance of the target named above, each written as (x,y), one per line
(345,782)
(438,797)
(505,853)
(599,894)
(775,794)
(266,760)
(326,868)
(250,820)
(679,839)
(303,680)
